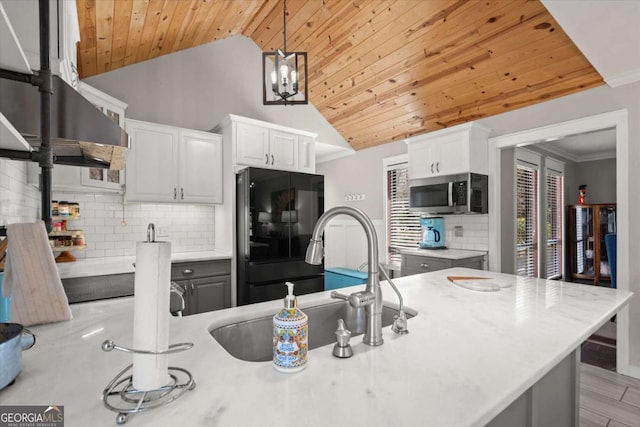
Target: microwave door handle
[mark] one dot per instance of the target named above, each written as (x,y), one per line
(450,192)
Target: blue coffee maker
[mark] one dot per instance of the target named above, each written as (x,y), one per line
(432,232)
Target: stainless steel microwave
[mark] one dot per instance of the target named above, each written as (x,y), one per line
(450,194)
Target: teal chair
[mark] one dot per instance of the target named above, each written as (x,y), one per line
(610,244)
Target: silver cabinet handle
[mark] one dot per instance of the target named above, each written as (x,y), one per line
(272,159)
(431,167)
(187,271)
(175,193)
(182,194)
(266,158)
(191,285)
(424,265)
(438,167)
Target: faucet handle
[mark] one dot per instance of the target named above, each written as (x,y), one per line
(400,323)
(342,348)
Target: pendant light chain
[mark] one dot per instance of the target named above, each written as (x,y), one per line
(284,25)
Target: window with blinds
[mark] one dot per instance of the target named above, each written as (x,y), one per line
(403,227)
(527,220)
(554,224)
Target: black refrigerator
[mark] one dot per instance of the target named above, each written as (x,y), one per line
(276,212)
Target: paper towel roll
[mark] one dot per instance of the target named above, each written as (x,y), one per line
(151,314)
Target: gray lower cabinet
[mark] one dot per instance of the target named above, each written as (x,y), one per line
(206,285)
(417,264)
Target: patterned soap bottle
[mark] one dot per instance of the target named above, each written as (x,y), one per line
(290,338)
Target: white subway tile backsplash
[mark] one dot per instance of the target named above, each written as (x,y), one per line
(475,232)
(190,227)
(91,253)
(114,252)
(19,201)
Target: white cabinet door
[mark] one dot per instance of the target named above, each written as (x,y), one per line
(438,157)
(420,162)
(152,169)
(283,148)
(454,156)
(200,167)
(306,154)
(252,145)
(450,151)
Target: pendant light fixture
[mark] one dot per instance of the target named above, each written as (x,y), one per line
(284,74)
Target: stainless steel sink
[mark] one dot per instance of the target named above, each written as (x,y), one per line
(251,340)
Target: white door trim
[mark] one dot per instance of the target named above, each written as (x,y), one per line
(619,120)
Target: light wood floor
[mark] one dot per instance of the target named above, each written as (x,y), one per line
(608,399)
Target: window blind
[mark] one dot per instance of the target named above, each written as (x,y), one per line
(527,220)
(554,224)
(403,227)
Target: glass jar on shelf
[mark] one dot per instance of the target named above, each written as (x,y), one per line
(63,208)
(74,209)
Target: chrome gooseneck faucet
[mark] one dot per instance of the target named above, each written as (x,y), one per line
(371,297)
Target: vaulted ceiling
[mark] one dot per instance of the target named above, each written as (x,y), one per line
(379,70)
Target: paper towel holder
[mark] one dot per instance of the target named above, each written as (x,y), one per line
(139,401)
(151,233)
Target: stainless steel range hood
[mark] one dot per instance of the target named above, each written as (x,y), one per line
(80,134)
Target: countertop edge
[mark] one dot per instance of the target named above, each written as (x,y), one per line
(89,267)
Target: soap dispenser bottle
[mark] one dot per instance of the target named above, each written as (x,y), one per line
(290,337)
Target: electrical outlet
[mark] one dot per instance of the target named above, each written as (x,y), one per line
(353,197)
(162,231)
(458,231)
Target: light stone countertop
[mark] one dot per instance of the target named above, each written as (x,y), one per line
(443,253)
(467,357)
(118,265)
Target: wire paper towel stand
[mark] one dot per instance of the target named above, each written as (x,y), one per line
(132,401)
(125,398)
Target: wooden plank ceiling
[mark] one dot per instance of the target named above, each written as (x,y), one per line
(379,70)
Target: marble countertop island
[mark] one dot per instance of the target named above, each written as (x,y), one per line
(467,357)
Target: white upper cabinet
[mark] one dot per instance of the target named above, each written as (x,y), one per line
(252,145)
(64,35)
(450,151)
(200,168)
(306,154)
(175,165)
(283,150)
(265,145)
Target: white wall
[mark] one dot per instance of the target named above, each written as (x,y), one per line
(360,173)
(19,202)
(196,88)
(600,178)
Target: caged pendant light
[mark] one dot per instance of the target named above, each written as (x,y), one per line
(285,73)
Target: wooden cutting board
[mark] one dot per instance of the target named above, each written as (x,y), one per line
(454,278)
(3,252)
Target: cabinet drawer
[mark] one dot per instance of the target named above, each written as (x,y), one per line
(192,270)
(475,263)
(425,263)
